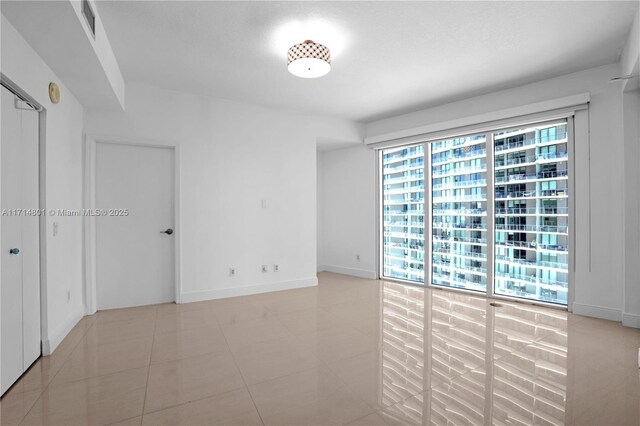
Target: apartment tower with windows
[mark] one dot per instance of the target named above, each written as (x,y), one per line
(526,231)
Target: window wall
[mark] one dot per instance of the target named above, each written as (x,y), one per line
(497,215)
(459,212)
(403,213)
(532,213)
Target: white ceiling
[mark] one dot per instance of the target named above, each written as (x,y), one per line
(389,57)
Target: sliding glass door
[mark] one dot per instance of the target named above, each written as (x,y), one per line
(532,213)
(403,213)
(459,212)
(497,215)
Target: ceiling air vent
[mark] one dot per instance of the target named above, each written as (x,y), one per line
(89,16)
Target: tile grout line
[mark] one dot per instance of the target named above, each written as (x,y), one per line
(146,387)
(98,375)
(66,359)
(233,357)
(325,364)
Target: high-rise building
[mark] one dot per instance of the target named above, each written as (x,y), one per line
(532,213)
(459,199)
(403,215)
(530,216)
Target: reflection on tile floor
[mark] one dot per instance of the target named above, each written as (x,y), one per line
(350,351)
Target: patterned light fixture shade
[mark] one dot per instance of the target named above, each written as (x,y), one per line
(309,60)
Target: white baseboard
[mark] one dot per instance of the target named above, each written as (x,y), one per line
(361,273)
(221,293)
(630,320)
(597,312)
(49,345)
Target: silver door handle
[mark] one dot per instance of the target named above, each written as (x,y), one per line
(168,231)
(14,250)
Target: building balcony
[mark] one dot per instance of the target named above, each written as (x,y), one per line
(461,268)
(418,245)
(531,245)
(453,157)
(472,183)
(560,192)
(386,180)
(470,240)
(544,193)
(525,262)
(458,171)
(533,228)
(530,279)
(552,155)
(388,212)
(553,174)
(402,235)
(516,178)
(502,162)
(559,174)
(534,211)
(401,202)
(465,254)
(553,247)
(461,212)
(461,226)
(516,194)
(455,198)
(553,265)
(447,145)
(515,145)
(404,190)
(561,137)
(413,153)
(400,258)
(404,166)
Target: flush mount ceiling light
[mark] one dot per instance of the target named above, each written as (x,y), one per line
(309,60)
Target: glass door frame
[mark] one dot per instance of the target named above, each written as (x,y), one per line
(488,131)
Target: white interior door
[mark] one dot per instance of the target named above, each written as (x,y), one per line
(19,240)
(134,257)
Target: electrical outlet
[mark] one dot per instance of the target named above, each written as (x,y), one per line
(264,204)
(357,258)
(232,272)
(55,229)
(264,268)
(68,296)
(276,268)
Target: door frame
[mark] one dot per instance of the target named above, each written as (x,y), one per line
(89,202)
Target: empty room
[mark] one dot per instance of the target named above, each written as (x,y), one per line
(319,212)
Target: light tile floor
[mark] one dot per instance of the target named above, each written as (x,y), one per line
(350,351)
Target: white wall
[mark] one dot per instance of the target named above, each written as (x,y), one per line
(319,210)
(348,211)
(631,51)
(599,275)
(63,158)
(631,108)
(232,156)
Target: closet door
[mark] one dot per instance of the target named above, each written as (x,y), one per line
(11,240)
(19,239)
